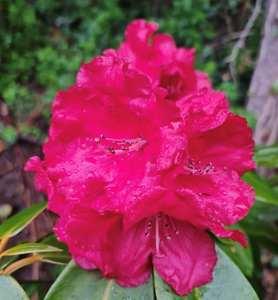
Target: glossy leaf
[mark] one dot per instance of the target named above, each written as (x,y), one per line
(16,223)
(264,211)
(10,289)
(7,260)
(240,256)
(62,257)
(29,248)
(263,191)
(76,283)
(228,284)
(267,156)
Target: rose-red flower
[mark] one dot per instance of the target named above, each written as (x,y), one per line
(137,178)
(157,57)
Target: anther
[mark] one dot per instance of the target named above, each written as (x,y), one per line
(125,148)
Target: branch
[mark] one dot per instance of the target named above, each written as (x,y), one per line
(241,41)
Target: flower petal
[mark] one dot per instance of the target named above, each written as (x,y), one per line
(228,146)
(210,101)
(224,200)
(41,180)
(101,241)
(188,257)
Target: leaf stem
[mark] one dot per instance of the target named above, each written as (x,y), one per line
(22,263)
(4,242)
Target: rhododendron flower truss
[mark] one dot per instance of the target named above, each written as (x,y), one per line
(136,176)
(157,57)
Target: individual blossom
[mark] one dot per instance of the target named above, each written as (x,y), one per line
(157,57)
(137,178)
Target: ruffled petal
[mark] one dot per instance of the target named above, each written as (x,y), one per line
(210,101)
(41,180)
(228,146)
(220,201)
(203,81)
(186,259)
(178,79)
(160,60)
(101,241)
(234,235)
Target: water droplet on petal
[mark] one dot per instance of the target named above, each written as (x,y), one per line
(224,203)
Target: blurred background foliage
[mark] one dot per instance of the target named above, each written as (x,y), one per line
(44,42)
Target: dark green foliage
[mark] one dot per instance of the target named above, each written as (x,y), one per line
(44,42)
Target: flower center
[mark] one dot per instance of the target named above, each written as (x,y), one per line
(119,146)
(164,229)
(197,168)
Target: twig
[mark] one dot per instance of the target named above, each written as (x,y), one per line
(226,39)
(241,42)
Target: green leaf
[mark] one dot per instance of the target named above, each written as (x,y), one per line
(29,248)
(240,256)
(16,223)
(7,260)
(76,283)
(10,289)
(228,283)
(57,259)
(253,226)
(267,156)
(263,191)
(264,211)
(273,180)
(62,257)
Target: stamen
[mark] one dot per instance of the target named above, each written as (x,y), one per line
(133,144)
(207,170)
(148,226)
(172,223)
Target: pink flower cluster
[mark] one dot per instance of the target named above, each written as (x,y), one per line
(143,158)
